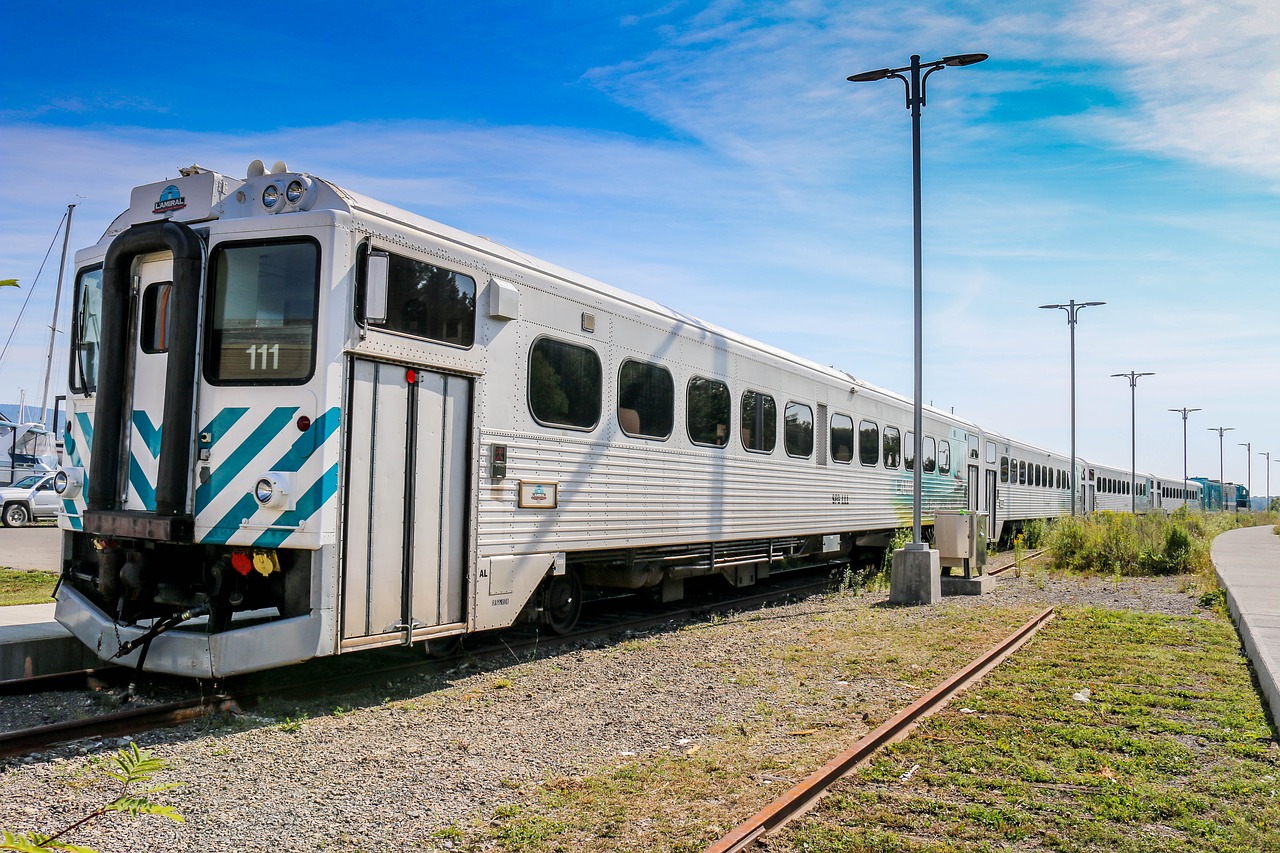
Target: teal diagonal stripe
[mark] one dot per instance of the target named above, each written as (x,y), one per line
(149,432)
(245,453)
(306,506)
(86,428)
(222,422)
(138,479)
(305,446)
(315,436)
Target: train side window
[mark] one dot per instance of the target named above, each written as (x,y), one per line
(991,453)
(154,325)
(1004,469)
(86,331)
(892,447)
(909,452)
(944,456)
(798,429)
(262,313)
(759,426)
(646,400)
(841,438)
(565,384)
(930,450)
(708,411)
(1022,473)
(973,445)
(1038,480)
(868,443)
(426,301)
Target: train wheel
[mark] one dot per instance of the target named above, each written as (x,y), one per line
(561,602)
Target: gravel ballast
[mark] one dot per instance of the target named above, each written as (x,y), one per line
(390,771)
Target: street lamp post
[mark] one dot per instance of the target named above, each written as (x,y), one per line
(1073,308)
(1267,453)
(1248,477)
(1133,435)
(1184,412)
(1222,478)
(915,86)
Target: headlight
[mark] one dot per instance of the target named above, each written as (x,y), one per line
(264,491)
(294,191)
(270,196)
(68,482)
(274,490)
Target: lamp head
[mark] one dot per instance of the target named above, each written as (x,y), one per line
(964,59)
(869,76)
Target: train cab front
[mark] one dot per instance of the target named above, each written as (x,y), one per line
(147,580)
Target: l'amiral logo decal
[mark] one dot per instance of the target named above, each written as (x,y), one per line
(171,199)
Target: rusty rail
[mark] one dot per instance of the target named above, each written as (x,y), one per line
(805,794)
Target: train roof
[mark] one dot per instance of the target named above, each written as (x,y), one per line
(201,195)
(374,207)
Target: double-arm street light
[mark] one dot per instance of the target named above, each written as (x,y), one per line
(1248,460)
(1184,412)
(915,85)
(1073,308)
(1133,435)
(1222,479)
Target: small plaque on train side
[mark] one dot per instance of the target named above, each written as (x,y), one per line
(537,495)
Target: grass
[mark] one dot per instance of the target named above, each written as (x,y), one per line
(20,586)
(1172,752)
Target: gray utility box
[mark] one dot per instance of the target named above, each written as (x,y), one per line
(961,540)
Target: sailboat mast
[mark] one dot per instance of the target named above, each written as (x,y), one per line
(53,327)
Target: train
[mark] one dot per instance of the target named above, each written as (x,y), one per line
(302,422)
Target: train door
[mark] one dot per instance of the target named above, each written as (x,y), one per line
(993,525)
(145,380)
(974,487)
(405,523)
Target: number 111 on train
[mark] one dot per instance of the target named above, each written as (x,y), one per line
(265,351)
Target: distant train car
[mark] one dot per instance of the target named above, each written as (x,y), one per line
(1173,495)
(304,422)
(1216,496)
(1033,483)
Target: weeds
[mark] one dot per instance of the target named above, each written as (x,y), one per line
(1155,543)
(133,767)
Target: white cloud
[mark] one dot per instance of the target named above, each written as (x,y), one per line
(1203,75)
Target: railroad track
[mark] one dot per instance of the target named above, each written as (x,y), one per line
(1026,558)
(805,794)
(311,679)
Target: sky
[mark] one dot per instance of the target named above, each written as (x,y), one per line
(711,156)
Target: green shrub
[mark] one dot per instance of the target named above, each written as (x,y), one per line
(1154,543)
(1035,532)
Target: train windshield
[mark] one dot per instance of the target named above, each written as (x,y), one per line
(262,327)
(87,331)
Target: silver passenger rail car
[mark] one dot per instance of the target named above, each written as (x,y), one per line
(304,422)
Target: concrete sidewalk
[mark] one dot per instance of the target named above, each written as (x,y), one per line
(38,547)
(1248,565)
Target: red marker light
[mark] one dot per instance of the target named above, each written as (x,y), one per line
(304,423)
(411,376)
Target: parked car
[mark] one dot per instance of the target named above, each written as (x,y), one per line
(29,498)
